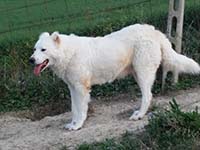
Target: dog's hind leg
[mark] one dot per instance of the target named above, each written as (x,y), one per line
(146,60)
(164,75)
(145,83)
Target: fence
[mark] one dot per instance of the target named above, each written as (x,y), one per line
(26,17)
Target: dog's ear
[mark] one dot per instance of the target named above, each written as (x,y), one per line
(44,34)
(55,37)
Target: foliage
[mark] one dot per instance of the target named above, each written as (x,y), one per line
(167,129)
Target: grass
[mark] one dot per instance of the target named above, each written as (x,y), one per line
(170,129)
(69,16)
(20,89)
(73,16)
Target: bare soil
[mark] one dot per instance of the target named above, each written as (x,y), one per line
(26,130)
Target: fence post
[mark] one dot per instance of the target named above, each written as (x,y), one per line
(175,27)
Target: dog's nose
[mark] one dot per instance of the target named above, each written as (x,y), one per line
(32,60)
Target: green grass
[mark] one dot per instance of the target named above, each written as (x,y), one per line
(27,18)
(30,18)
(20,89)
(170,129)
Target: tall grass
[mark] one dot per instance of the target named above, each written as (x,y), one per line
(170,129)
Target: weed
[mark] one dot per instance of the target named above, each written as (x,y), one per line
(168,129)
(64,148)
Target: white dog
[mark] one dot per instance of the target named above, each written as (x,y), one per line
(81,62)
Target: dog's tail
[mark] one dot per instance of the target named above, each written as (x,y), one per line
(172,61)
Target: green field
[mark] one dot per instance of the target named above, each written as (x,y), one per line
(26,19)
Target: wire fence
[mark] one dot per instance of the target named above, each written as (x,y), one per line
(35,16)
(32,17)
(54,19)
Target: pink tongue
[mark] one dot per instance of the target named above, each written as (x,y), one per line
(38,69)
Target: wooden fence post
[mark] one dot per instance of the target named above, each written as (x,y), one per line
(175,27)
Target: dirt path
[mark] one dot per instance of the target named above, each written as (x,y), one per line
(110,119)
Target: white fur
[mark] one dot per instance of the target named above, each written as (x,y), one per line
(81,62)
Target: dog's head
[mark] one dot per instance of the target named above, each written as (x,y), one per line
(44,51)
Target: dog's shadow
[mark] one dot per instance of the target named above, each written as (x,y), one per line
(125,114)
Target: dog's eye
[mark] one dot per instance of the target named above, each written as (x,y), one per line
(43,50)
(34,49)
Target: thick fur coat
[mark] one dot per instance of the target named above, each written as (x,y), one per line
(81,62)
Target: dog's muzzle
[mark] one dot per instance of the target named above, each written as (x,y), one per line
(32,60)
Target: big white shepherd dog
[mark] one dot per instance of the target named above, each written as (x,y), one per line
(81,62)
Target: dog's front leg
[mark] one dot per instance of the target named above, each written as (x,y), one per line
(80,98)
(73,109)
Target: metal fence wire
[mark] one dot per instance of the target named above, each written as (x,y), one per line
(26,16)
(32,17)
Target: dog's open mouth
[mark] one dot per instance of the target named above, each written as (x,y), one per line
(40,67)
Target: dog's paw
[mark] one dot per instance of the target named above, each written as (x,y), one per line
(73,126)
(137,115)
